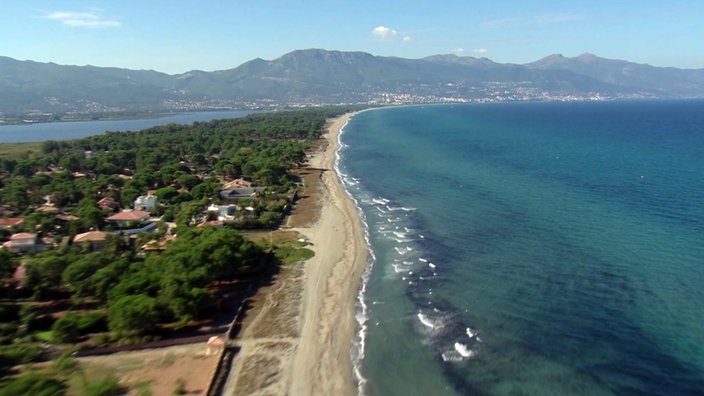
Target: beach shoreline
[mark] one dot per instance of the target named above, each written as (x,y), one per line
(323,362)
(298,337)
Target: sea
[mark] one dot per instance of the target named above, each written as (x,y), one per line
(551,248)
(39,132)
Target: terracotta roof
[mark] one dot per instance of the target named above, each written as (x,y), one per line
(6,222)
(66,217)
(129,215)
(212,223)
(22,235)
(90,236)
(107,200)
(237,183)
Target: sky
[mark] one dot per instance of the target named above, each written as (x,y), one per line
(176,36)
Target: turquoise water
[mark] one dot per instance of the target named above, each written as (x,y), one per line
(531,248)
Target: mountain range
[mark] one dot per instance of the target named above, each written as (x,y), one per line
(309,77)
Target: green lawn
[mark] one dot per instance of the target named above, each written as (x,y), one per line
(20,150)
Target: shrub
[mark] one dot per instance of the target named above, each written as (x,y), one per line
(34,384)
(93,322)
(66,329)
(108,386)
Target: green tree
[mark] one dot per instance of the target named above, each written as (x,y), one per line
(90,215)
(71,162)
(66,329)
(133,313)
(167,194)
(189,181)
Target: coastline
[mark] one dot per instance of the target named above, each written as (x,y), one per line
(322,363)
(298,336)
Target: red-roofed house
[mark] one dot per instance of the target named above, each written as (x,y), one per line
(7,222)
(66,217)
(108,203)
(96,239)
(22,242)
(128,216)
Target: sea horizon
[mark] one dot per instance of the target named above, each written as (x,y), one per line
(513,247)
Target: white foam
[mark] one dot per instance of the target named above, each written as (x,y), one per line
(425,321)
(399,269)
(451,356)
(401,251)
(431,265)
(471,333)
(422,260)
(362,316)
(463,350)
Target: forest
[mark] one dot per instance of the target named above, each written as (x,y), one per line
(63,295)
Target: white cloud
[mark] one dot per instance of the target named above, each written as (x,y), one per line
(480,50)
(458,50)
(545,19)
(81,19)
(384,32)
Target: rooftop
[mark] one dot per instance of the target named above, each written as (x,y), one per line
(6,222)
(22,235)
(90,236)
(129,215)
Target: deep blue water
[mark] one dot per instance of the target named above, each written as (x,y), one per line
(532,248)
(78,129)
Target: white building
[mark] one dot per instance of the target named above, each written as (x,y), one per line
(223,212)
(146,202)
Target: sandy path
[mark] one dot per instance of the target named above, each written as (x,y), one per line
(299,343)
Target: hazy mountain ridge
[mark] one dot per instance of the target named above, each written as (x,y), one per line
(318,76)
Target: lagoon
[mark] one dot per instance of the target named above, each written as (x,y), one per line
(78,129)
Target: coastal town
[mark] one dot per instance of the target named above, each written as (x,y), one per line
(491,92)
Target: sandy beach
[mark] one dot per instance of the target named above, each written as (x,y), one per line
(299,338)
